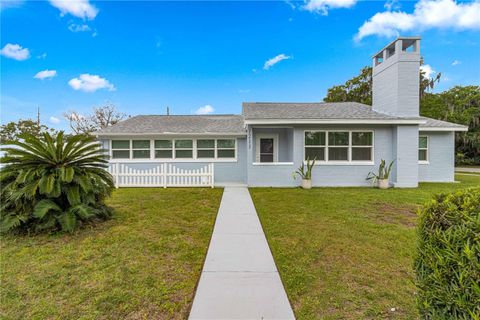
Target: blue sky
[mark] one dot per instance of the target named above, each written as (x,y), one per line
(144,56)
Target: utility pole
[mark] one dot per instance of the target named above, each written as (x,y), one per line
(168,111)
(38,116)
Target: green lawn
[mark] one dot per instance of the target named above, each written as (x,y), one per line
(142,264)
(347,253)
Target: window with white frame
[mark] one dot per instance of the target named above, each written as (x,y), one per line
(339,146)
(362,146)
(163,149)
(423,148)
(121,149)
(315,144)
(141,149)
(183,149)
(226,148)
(206,148)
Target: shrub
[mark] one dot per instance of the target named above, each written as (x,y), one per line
(447,263)
(53,183)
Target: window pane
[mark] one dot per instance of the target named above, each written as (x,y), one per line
(141,154)
(314,138)
(338,154)
(422,155)
(315,153)
(183,154)
(422,142)
(163,154)
(206,154)
(226,143)
(124,154)
(361,154)
(163,144)
(362,138)
(206,144)
(266,145)
(183,144)
(266,158)
(120,144)
(226,153)
(141,144)
(338,138)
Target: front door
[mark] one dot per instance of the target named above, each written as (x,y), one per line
(267,149)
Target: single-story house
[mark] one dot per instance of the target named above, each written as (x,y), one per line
(265,144)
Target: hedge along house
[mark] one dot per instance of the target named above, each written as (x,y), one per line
(266,143)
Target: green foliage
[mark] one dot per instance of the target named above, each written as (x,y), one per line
(305,172)
(383,172)
(458,105)
(358,89)
(448,257)
(13,130)
(52,183)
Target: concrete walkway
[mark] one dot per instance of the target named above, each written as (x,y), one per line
(239,278)
(467,169)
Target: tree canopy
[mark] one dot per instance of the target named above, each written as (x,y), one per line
(101,117)
(13,130)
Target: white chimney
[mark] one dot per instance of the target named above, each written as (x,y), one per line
(396,78)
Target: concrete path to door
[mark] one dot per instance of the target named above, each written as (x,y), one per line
(239,278)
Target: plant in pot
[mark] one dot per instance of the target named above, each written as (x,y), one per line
(381,178)
(305,172)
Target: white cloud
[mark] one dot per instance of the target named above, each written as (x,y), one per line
(46,74)
(78,8)
(54,120)
(456,62)
(79,27)
(90,83)
(429,72)
(322,6)
(15,51)
(205,110)
(273,61)
(427,14)
(392,5)
(5,4)
(42,56)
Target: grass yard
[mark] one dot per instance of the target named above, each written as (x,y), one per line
(142,264)
(347,253)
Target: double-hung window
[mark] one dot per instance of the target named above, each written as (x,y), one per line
(141,149)
(183,149)
(163,149)
(423,148)
(315,144)
(338,145)
(206,148)
(121,149)
(362,146)
(226,148)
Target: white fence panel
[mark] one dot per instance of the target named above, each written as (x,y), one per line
(163,175)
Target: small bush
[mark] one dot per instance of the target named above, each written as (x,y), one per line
(447,263)
(53,183)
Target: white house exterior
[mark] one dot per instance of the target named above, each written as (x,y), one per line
(266,143)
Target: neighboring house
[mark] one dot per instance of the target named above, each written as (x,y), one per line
(266,143)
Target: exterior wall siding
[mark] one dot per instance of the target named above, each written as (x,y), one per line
(406,156)
(441,158)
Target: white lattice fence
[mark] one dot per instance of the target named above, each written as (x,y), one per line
(164,175)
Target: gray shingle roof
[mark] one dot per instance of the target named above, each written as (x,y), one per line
(319,110)
(433,123)
(178,124)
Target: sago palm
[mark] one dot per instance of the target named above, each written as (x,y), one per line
(53,182)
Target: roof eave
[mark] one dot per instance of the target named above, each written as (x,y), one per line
(463,129)
(137,134)
(334,121)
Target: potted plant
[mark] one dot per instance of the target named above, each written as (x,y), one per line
(383,174)
(305,172)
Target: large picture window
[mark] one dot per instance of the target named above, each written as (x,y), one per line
(339,146)
(423,148)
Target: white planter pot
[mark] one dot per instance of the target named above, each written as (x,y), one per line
(383,183)
(306,183)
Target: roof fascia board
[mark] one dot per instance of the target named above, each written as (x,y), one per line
(443,129)
(335,121)
(127,134)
